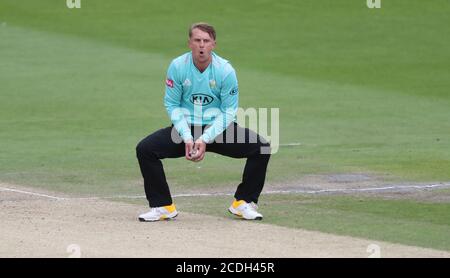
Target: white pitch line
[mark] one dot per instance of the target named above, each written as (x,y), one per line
(143,196)
(202,194)
(31,193)
(399,187)
(290,144)
(341,190)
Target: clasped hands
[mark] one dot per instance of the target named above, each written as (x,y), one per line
(195,151)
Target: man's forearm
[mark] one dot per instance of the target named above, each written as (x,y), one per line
(180,123)
(220,123)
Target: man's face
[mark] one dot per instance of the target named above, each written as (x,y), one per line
(201,45)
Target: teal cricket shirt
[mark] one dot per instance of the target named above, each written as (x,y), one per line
(201,98)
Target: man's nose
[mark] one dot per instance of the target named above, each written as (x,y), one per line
(202,43)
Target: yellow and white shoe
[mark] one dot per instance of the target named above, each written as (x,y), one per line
(159,213)
(245,210)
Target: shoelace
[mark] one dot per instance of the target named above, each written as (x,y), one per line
(251,206)
(155,210)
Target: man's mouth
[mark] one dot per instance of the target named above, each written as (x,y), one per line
(201,52)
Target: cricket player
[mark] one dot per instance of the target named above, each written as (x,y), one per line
(201,99)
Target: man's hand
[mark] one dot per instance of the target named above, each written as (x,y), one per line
(189,148)
(199,150)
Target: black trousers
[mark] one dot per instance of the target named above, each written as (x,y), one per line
(161,144)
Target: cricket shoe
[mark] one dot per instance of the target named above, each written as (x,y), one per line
(159,213)
(245,210)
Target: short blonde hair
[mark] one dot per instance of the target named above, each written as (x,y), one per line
(205,27)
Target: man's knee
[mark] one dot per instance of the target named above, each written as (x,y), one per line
(265,149)
(144,148)
(140,149)
(261,150)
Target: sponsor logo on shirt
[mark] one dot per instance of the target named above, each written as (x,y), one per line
(201,99)
(187,82)
(169,82)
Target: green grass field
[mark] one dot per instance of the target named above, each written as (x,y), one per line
(364,91)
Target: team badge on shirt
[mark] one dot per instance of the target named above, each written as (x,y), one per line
(169,82)
(212,83)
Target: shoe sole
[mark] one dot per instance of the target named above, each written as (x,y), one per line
(242,217)
(160,219)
